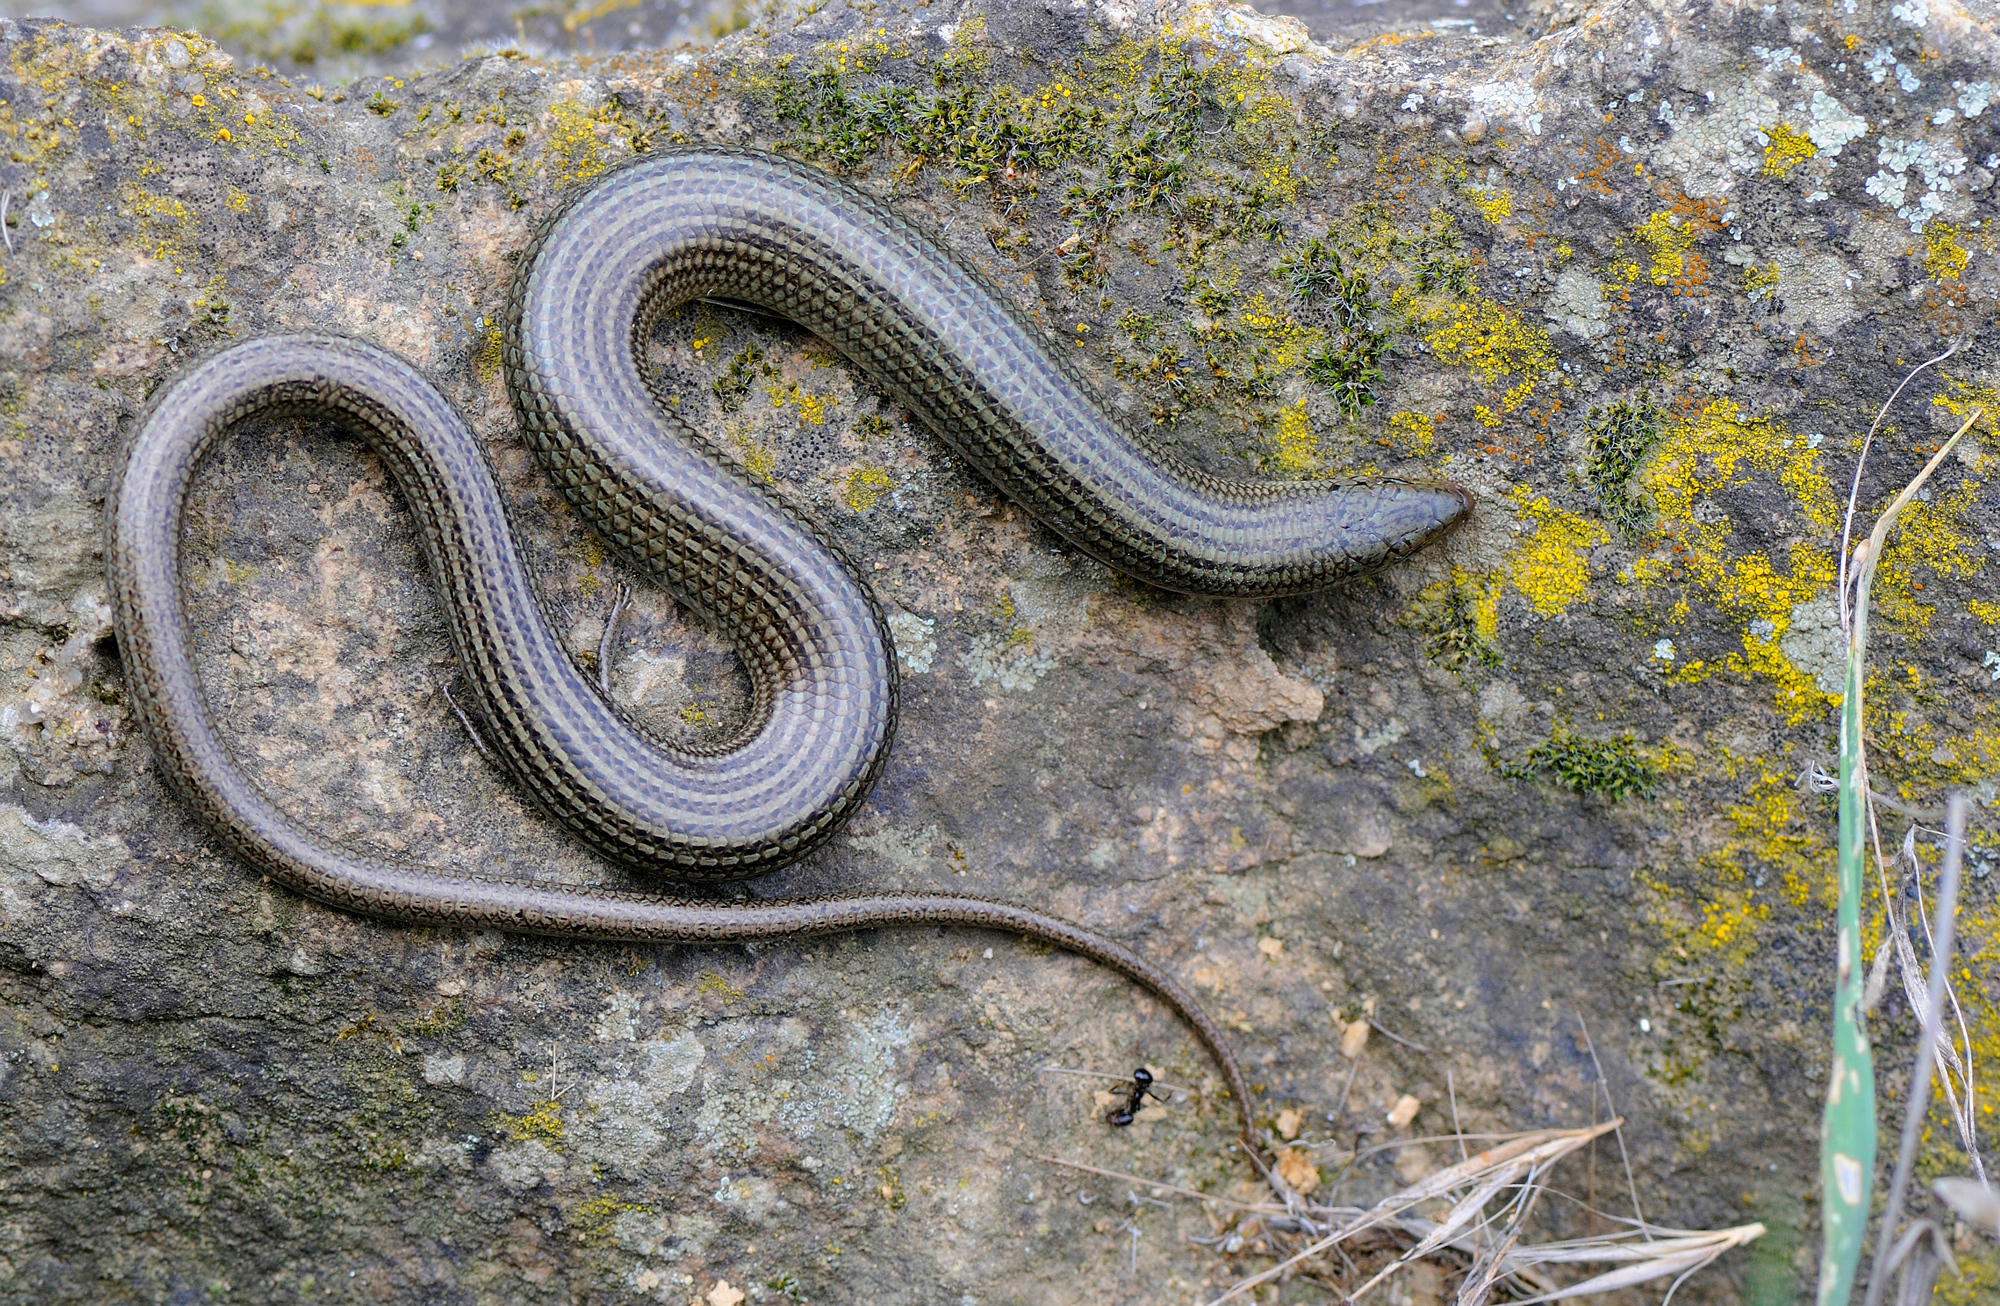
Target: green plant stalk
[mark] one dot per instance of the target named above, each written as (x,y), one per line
(1847,1132)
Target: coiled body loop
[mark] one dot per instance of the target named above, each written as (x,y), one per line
(937,335)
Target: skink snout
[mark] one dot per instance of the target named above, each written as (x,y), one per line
(1412,514)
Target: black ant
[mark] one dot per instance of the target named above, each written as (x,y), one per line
(1142,1088)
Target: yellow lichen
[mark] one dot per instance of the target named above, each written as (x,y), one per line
(1964,398)
(865,487)
(164,222)
(1288,344)
(1414,432)
(1989,613)
(1933,538)
(1718,449)
(1698,462)
(1497,205)
(813,409)
(1297,446)
(1483,336)
(1760,282)
(1669,240)
(593,1221)
(760,461)
(578,145)
(710,982)
(543,1123)
(1944,257)
(1785,149)
(1797,695)
(1550,568)
(492,352)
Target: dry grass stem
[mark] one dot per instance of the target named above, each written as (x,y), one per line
(1515,1161)
(1509,1176)
(1933,1037)
(1954,1072)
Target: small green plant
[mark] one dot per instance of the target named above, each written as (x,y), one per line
(1445,612)
(1848,1136)
(1614,769)
(1313,273)
(1348,364)
(1620,438)
(734,384)
(1349,371)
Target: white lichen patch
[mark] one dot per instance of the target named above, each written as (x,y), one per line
(526,1165)
(1813,644)
(906,850)
(619,1021)
(1711,150)
(1513,100)
(1833,124)
(1915,178)
(37,854)
(1578,306)
(1006,661)
(440,1068)
(916,641)
(1816,289)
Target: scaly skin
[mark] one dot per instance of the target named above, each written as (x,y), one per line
(938,336)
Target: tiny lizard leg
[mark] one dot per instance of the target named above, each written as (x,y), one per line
(620,597)
(478,740)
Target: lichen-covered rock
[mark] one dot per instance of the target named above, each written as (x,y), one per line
(1639,277)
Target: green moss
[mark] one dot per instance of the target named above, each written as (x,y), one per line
(733,385)
(1347,361)
(1459,617)
(304,33)
(1613,769)
(1620,437)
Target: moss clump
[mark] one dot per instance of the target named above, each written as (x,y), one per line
(302,33)
(1614,769)
(1347,362)
(1460,620)
(1620,438)
(734,384)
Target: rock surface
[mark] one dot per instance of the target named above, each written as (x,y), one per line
(1638,275)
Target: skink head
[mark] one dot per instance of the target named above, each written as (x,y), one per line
(1407,515)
